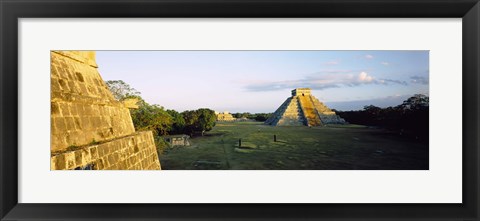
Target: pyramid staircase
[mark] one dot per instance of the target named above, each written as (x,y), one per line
(303,109)
(309,110)
(288,114)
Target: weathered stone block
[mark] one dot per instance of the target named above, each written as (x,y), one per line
(111,159)
(88,110)
(70,160)
(93,152)
(59,162)
(98,164)
(102,151)
(63,86)
(78,158)
(86,155)
(106,164)
(60,124)
(70,123)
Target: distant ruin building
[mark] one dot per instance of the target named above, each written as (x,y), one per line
(302,108)
(90,129)
(177,140)
(225,116)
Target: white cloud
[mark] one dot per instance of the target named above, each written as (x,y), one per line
(385,63)
(386,81)
(364,77)
(419,80)
(369,56)
(332,62)
(323,80)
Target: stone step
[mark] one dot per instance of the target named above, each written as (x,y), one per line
(309,111)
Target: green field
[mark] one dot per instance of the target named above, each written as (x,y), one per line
(339,147)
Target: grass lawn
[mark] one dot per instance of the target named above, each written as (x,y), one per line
(333,147)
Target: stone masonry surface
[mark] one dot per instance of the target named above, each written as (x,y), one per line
(133,152)
(85,117)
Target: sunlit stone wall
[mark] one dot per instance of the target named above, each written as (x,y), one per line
(85,117)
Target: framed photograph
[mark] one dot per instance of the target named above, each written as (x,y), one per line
(162,131)
(318,110)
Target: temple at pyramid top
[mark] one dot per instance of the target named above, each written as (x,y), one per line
(303,109)
(301,91)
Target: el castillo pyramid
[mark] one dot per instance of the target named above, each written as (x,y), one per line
(302,108)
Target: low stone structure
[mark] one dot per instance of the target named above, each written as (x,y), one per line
(224,116)
(177,140)
(244,119)
(302,108)
(89,128)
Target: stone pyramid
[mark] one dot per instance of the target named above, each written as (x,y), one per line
(303,109)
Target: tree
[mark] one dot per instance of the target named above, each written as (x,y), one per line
(415,115)
(242,115)
(151,117)
(373,110)
(190,117)
(416,102)
(121,90)
(200,120)
(237,115)
(245,115)
(161,121)
(411,118)
(206,119)
(178,125)
(262,116)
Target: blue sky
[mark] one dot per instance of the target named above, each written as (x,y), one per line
(259,81)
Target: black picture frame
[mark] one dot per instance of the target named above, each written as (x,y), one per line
(12,10)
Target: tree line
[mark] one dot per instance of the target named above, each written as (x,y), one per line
(411,118)
(256,116)
(160,120)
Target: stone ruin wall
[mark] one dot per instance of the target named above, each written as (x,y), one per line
(225,116)
(88,126)
(301,91)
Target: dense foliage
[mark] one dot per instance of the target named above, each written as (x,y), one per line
(257,116)
(178,125)
(411,118)
(151,117)
(161,121)
(200,120)
(262,116)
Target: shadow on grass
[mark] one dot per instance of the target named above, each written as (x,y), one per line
(214,134)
